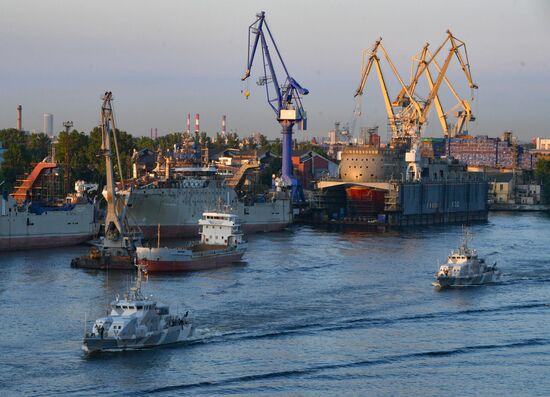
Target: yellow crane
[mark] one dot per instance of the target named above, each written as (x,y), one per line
(371,57)
(424,59)
(408,113)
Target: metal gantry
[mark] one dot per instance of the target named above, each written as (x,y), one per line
(408,113)
(284,99)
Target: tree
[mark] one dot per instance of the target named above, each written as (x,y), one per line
(16,157)
(232,140)
(72,147)
(38,146)
(542,172)
(270,169)
(15,165)
(144,142)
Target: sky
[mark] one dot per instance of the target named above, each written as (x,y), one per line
(163,59)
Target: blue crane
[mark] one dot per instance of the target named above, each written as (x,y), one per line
(283,99)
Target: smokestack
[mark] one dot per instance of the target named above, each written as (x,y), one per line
(156,134)
(188,123)
(223,125)
(197,130)
(19,117)
(151,134)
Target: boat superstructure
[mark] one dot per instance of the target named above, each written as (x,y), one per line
(137,322)
(221,243)
(464,268)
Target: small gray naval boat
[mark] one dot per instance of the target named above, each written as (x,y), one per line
(137,322)
(465,268)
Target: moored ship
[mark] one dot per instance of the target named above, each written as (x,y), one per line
(34,217)
(176,195)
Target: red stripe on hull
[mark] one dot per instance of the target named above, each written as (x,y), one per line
(30,242)
(190,265)
(175,231)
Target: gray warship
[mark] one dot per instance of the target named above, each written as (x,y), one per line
(179,190)
(136,322)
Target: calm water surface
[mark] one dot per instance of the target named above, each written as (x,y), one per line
(310,313)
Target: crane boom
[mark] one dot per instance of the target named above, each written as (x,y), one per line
(107,126)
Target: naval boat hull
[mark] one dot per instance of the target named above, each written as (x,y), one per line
(480,279)
(94,343)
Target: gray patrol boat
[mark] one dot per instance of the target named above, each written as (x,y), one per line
(465,268)
(136,322)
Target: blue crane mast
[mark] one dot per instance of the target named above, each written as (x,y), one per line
(283,99)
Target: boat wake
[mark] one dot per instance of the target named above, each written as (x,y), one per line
(319,369)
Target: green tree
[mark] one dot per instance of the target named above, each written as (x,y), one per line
(38,146)
(271,168)
(542,173)
(72,147)
(15,165)
(144,142)
(232,140)
(16,157)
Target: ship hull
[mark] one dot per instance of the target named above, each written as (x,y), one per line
(32,242)
(485,278)
(191,264)
(173,335)
(21,228)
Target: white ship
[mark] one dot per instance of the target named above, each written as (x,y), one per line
(221,244)
(28,221)
(136,322)
(465,268)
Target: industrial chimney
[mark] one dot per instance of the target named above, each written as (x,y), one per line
(197,130)
(188,123)
(223,125)
(19,117)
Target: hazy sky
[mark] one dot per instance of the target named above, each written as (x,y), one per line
(164,59)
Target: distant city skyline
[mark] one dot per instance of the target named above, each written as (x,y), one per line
(165,59)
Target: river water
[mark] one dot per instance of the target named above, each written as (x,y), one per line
(311,312)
